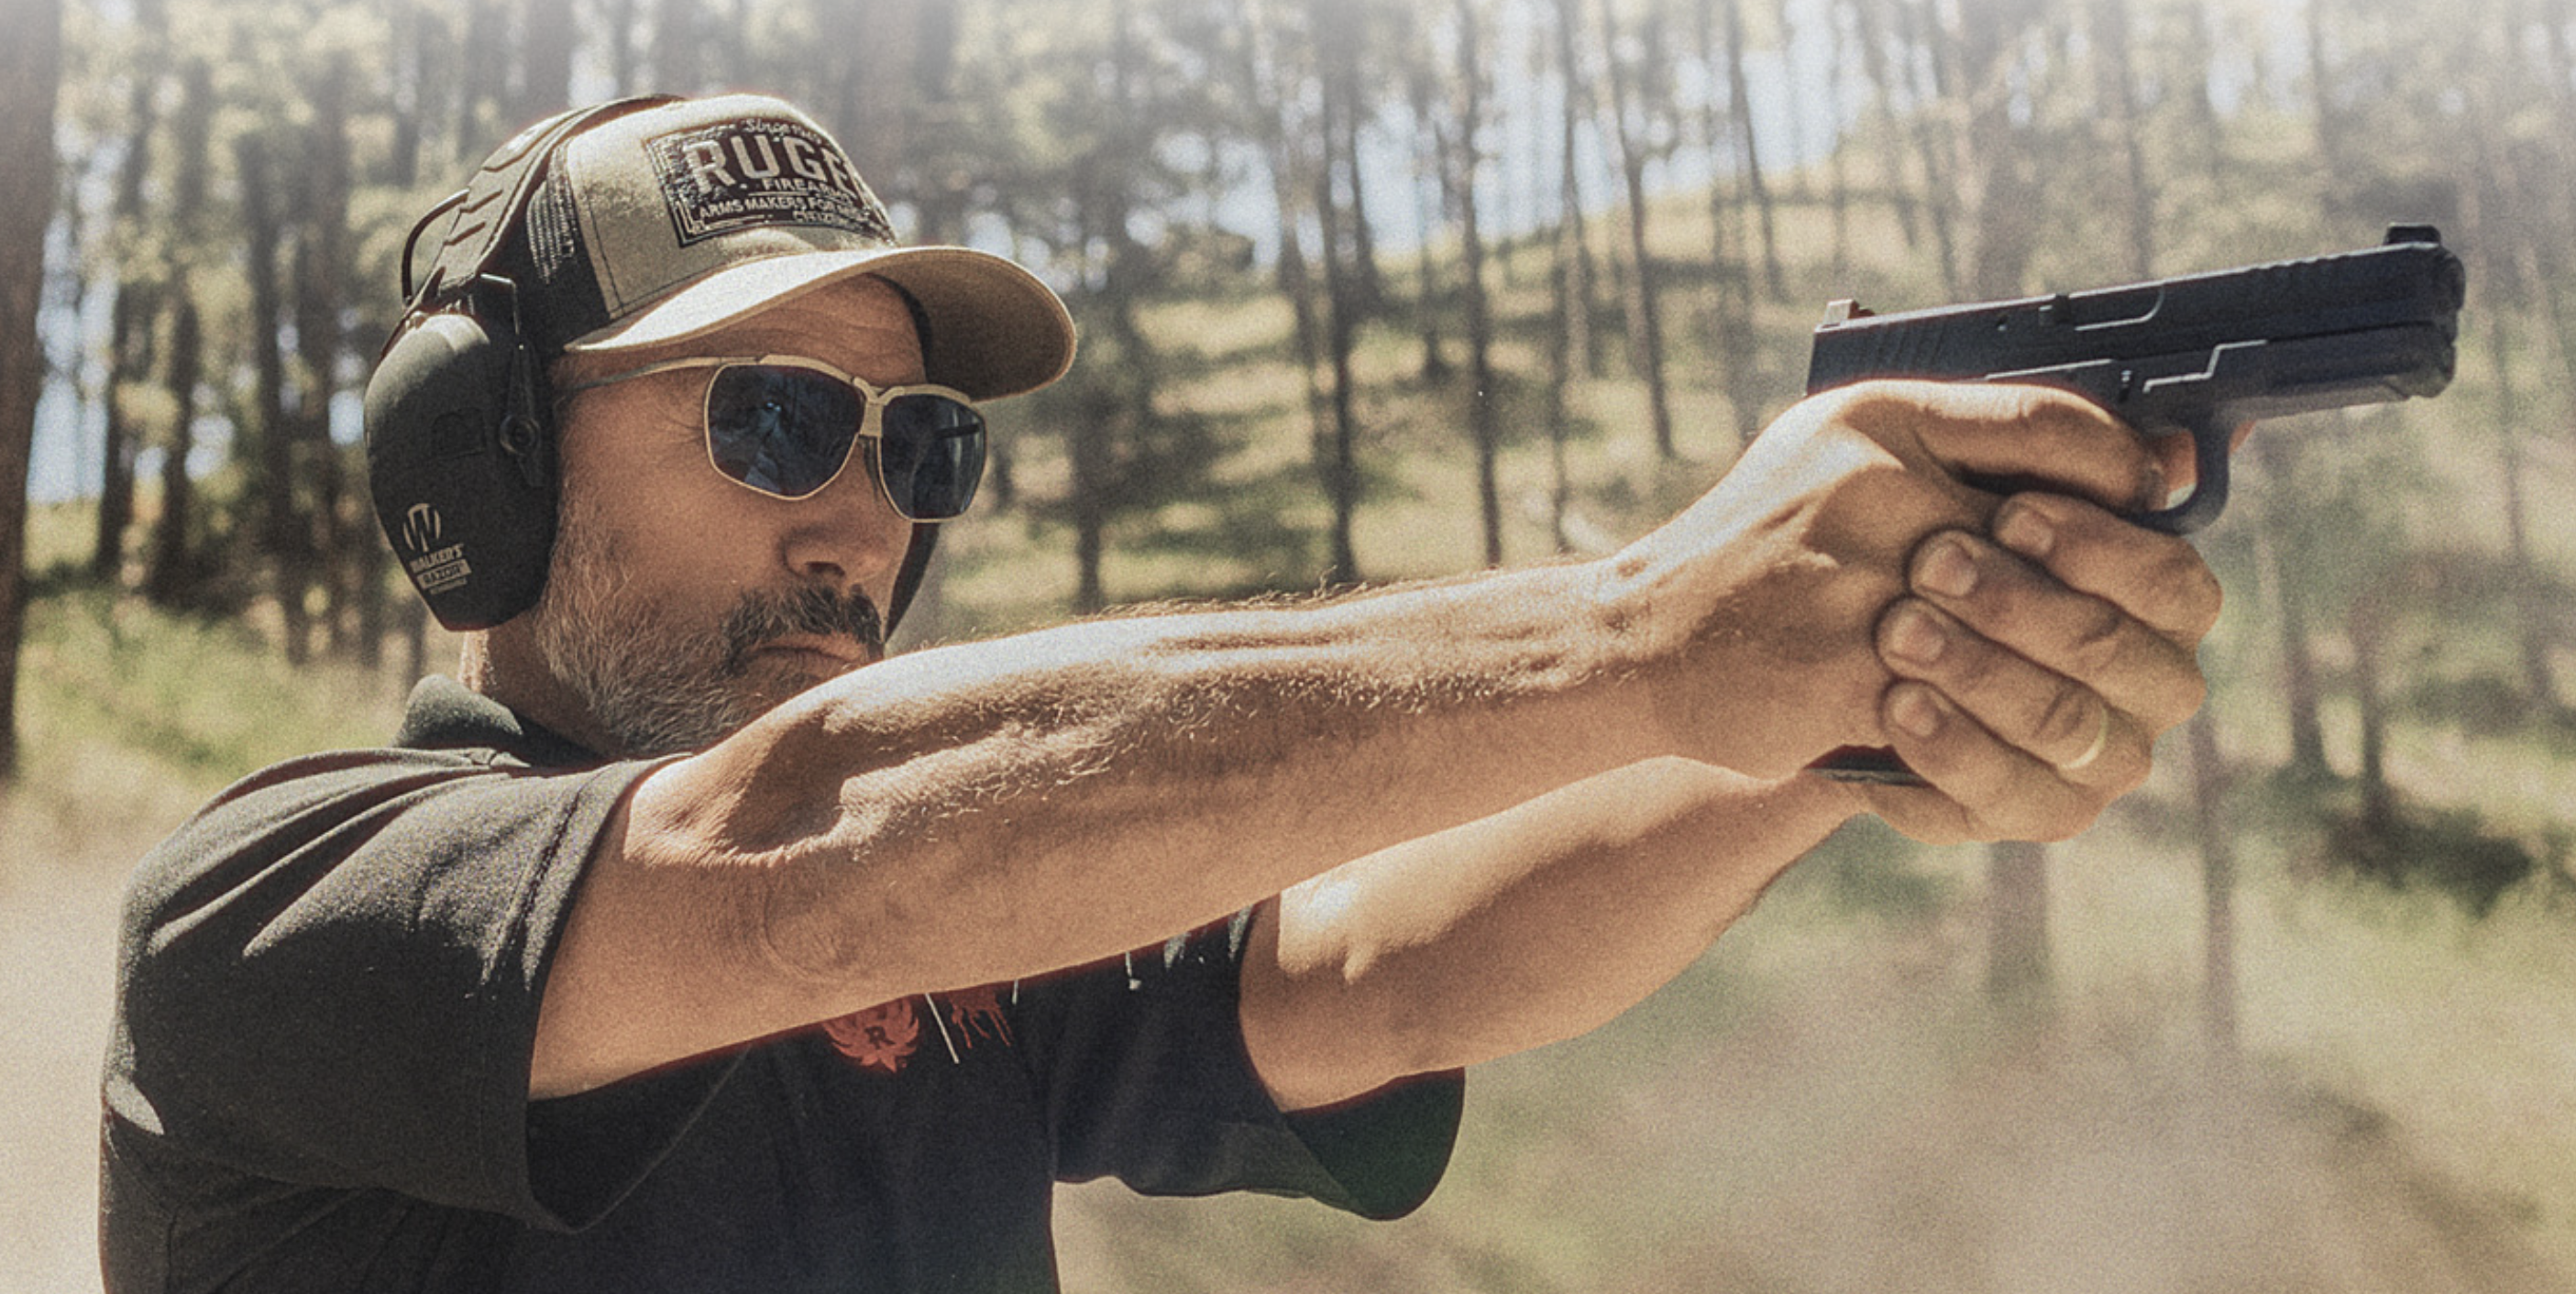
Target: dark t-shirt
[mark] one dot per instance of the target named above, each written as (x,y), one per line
(327,998)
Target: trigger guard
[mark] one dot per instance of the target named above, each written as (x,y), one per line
(2210,445)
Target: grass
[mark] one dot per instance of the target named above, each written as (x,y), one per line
(115,671)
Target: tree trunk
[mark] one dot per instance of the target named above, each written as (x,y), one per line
(1739,92)
(1484,417)
(482,77)
(1731,271)
(1785,22)
(1921,31)
(1565,307)
(2118,94)
(1121,404)
(415,75)
(321,285)
(1269,81)
(169,574)
(282,538)
(944,194)
(129,364)
(624,74)
(2367,625)
(2533,612)
(1341,322)
(2209,780)
(1645,324)
(2285,559)
(676,63)
(1837,157)
(1435,195)
(2017,961)
(1574,244)
(1872,41)
(30,74)
(545,63)
(2507,291)
(2206,137)
(131,319)
(2331,130)
(2007,190)
(1339,29)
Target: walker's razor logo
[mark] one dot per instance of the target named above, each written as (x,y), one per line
(740,174)
(432,568)
(422,527)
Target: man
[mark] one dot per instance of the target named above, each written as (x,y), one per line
(684,943)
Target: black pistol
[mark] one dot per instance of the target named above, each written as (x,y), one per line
(2199,355)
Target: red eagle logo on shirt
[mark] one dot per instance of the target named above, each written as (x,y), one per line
(881,1037)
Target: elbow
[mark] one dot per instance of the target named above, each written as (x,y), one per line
(1325,1021)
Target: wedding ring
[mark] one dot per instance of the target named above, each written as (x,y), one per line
(2101,742)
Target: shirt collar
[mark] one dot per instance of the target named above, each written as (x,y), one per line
(445,714)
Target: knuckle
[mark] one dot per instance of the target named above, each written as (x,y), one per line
(1971,666)
(2193,589)
(2067,720)
(2097,640)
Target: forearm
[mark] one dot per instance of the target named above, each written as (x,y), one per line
(1000,809)
(1514,931)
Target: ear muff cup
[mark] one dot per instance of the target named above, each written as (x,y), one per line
(460,461)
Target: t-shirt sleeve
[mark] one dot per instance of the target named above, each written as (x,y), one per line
(331,978)
(1146,1079)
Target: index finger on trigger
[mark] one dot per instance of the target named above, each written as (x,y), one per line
(2156,578)
(2033,434)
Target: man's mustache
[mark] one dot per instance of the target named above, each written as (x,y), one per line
(763,617)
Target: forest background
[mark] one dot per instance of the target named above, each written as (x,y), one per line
(1378,291)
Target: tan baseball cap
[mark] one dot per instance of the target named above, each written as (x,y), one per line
(670,220)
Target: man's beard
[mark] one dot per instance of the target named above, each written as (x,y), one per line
(655,683)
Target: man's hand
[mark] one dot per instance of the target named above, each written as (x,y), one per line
(2036,668)
(1849,583)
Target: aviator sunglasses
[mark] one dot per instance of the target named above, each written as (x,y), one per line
(788,425)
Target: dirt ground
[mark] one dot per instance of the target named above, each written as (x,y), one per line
(59,882)
(1832,1136)
(1799,1152)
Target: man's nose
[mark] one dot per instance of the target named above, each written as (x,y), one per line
(846,536)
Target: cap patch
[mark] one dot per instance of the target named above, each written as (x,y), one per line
(746,172)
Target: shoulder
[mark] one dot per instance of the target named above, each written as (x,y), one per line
(366,838)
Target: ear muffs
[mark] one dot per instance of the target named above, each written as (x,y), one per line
(460,460)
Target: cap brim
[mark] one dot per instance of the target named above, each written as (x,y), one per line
(995,329)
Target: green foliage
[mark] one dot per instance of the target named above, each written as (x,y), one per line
(205,699)
(2451,852)
(2332,827)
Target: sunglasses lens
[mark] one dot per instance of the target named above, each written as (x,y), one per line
(786,431)
(931,456)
